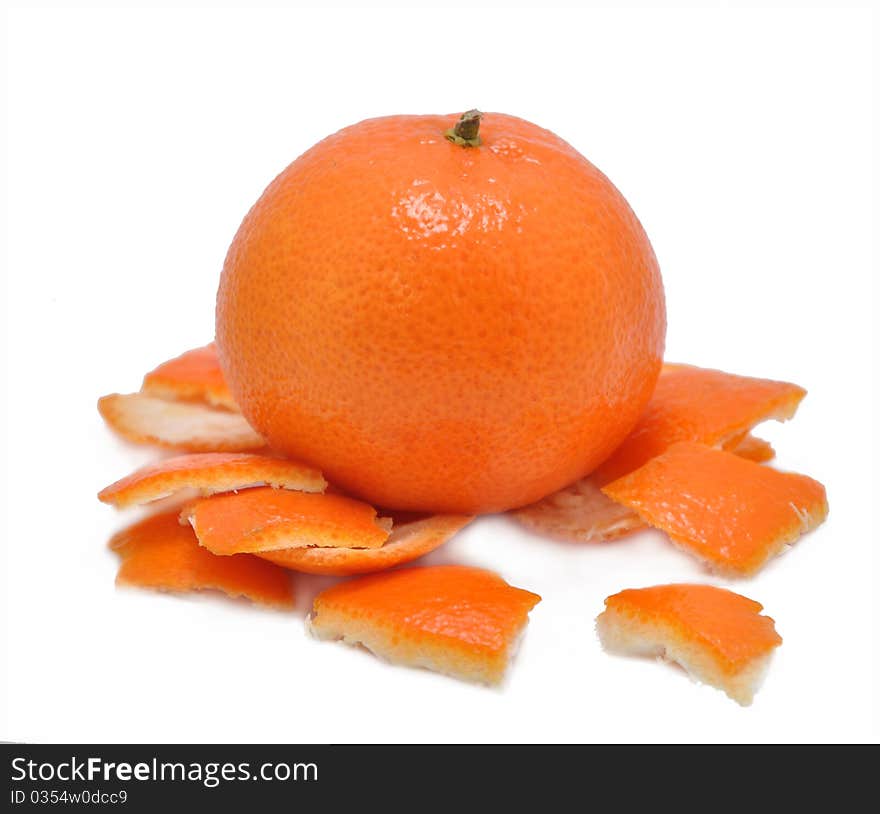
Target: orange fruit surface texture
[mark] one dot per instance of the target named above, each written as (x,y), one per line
(453,619)
(193,376)
(729,512)
(159,553)
(208,473)
(441,327)
(267,519)
(718,636)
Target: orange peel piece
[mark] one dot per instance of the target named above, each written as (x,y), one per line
(461,621)
(689,404)
(159,553)
(193,376)
(752,449)
(265,519)
(406,543)
(188,426)
(583,513)
(731,513)
(580,513)
(698,404)
(718,636)
(210,472)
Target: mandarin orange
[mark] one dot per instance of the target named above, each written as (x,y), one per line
(441,316)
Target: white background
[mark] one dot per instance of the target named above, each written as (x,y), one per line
(137,141)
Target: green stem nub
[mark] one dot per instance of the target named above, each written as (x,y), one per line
(466,132)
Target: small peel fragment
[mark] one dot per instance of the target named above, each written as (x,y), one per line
(752,449)
(719,637)
(264,519)
(209,473)
(579,513)
(407,542)
(159,553)
(188,426)
(731,513)
(460,621)
(193,376)
(689,404)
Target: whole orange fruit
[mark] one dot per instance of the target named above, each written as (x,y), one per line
(439,319)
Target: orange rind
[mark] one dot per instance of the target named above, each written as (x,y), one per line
(731,513)
(146,419)
(698,404)
(719,637)
(583,513)
(461,621)
(752,449)
(579,513)
(265,519)
(689,404)
(208,473)
(193,376)
(407,542)
(160,553)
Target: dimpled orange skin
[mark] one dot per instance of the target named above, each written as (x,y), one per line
(730,512)
(438,327)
